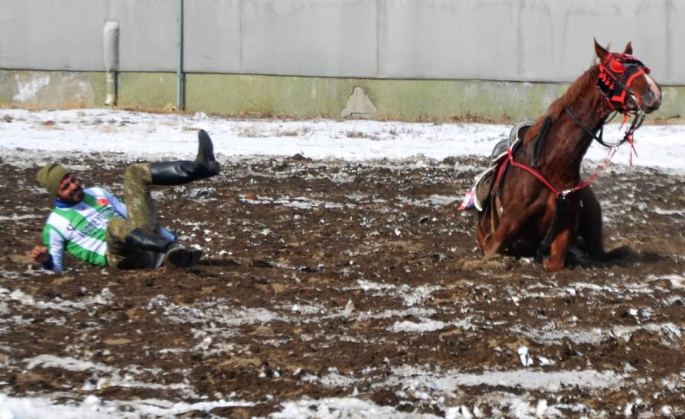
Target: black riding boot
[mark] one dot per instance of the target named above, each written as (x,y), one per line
(180,172)
(176,254)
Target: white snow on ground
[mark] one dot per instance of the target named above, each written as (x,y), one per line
(93,407)
(23,134)
(450,381)
(342,408)
(151,135)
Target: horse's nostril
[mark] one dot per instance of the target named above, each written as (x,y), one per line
(651,100)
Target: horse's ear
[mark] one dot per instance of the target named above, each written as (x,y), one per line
(600,51)
(629,49)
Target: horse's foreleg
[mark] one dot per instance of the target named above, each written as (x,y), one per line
(509,226)
(559,249)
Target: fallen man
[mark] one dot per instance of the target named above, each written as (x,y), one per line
(93,225)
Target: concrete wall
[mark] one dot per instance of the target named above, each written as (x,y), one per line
(505,40)
(258,95)
(51,89)
(412,59)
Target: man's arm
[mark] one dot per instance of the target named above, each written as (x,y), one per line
(40,254)
(118,206)
(52,256)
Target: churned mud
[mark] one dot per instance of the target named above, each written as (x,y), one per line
(329,286)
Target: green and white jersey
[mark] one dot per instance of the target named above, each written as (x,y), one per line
(81,229)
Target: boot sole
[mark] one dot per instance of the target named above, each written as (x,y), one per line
(206,145)
(206,156)
(183,257)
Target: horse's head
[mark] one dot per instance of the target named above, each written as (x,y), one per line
(626,83)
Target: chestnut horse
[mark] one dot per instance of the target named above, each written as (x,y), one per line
(538,203)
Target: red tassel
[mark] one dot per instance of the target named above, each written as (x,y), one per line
(625,119)
(629,138)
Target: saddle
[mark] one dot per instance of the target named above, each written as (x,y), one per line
(482,187)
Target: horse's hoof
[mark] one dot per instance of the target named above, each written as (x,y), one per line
(490,255)
(551,267)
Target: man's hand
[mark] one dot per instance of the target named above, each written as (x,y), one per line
(40,254)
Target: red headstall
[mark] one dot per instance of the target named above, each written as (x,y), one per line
(616,73)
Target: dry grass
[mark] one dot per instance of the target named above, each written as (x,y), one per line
(288,134)
(356,134)
(52,125)
(479,119)
(36,107)
(167,109)
(673,120)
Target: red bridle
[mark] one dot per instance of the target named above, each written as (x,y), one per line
(616,74)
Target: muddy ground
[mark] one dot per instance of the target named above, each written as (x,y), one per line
(328,279)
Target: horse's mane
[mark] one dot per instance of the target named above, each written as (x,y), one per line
(574,92)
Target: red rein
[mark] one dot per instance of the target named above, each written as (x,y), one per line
(561,194)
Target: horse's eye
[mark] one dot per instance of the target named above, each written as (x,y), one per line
(616,66)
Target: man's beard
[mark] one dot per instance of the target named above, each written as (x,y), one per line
(75,197)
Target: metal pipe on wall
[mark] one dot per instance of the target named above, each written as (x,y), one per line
(111,50)
(180,79)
